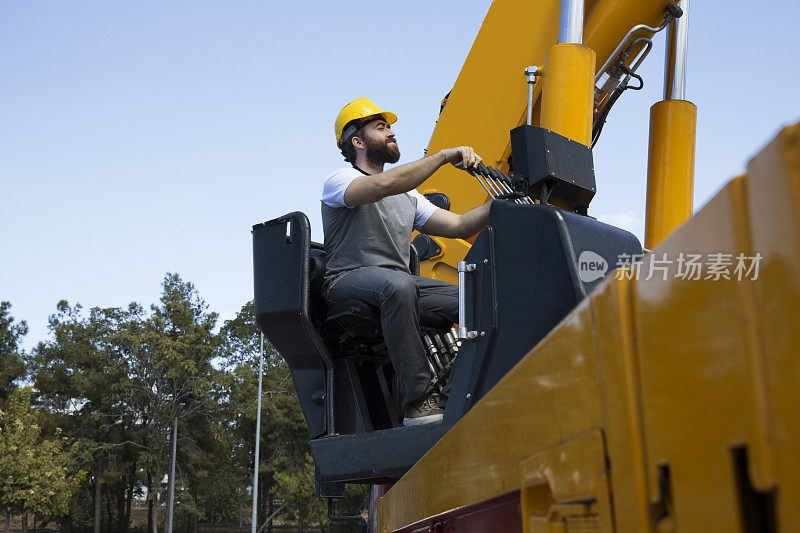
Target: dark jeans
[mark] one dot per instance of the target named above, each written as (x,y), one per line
(405,301)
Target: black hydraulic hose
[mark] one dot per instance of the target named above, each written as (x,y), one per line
(601,119)
(627,70)
(615,94)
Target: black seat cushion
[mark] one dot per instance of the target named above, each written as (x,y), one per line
(353,315)
(355,318)
(349,319)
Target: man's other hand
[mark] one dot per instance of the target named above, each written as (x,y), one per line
(462,157)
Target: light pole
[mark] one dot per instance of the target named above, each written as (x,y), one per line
(253,524)
(171,490)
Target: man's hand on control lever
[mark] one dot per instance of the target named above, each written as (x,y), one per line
(462,157)
(452,225)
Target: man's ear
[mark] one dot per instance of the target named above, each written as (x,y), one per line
(358,142)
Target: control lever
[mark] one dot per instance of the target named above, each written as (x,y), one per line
(452,346)
(448,351)
(456,340)
(434,364)
(498,177)
(435,382)
(443,351)
(496,183)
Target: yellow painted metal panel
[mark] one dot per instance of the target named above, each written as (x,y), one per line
(694,341)
(618,373)
(568,91)
(670,168)
(566,486)
(676,373)
(549,397)
(489,97)
(773,190)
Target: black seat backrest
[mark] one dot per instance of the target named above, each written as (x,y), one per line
(316,269)
(336,395)
(318,308)
(281,259)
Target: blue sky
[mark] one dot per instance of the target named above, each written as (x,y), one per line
(138,138)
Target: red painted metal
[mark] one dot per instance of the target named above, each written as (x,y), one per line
(376,492)
(502,515)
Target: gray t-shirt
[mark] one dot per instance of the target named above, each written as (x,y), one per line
(377,234)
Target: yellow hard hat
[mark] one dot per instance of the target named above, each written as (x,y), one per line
(358,109)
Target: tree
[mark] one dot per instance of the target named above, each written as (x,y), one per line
(286,470)
(12,366)
(81,375)
(116,377)
(112,379)
(174,374)
(39,475)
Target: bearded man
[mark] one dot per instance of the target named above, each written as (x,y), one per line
(368,215)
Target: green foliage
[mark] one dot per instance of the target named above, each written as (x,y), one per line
(118,377)
(82,375)
(39,475)
(12,366)
(286,469)
(113,380)
(294,482)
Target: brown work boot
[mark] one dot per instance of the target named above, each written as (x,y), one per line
(423,411)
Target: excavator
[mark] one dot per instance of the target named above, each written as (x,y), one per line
(595,384)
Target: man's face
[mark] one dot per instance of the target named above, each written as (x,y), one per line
(379,142)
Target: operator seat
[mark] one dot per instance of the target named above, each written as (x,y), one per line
(350,319)
(344,389)
(353,322)
(344,343)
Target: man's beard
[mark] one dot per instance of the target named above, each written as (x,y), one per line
(381,151)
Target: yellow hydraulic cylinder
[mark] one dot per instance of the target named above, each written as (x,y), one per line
(568,91)
(670,168)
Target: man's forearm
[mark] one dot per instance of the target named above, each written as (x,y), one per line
(474,220)
(371,188)
(411,175)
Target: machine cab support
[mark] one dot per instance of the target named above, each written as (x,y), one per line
(552,256)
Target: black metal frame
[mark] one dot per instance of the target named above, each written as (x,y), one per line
(525,281)
(281,256)
(346,397)
(552,168)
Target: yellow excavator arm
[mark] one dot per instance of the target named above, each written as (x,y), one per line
(490,95)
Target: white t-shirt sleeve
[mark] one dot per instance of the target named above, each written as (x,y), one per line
(424,209)
(336,184)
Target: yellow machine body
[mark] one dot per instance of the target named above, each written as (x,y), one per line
(661,402)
